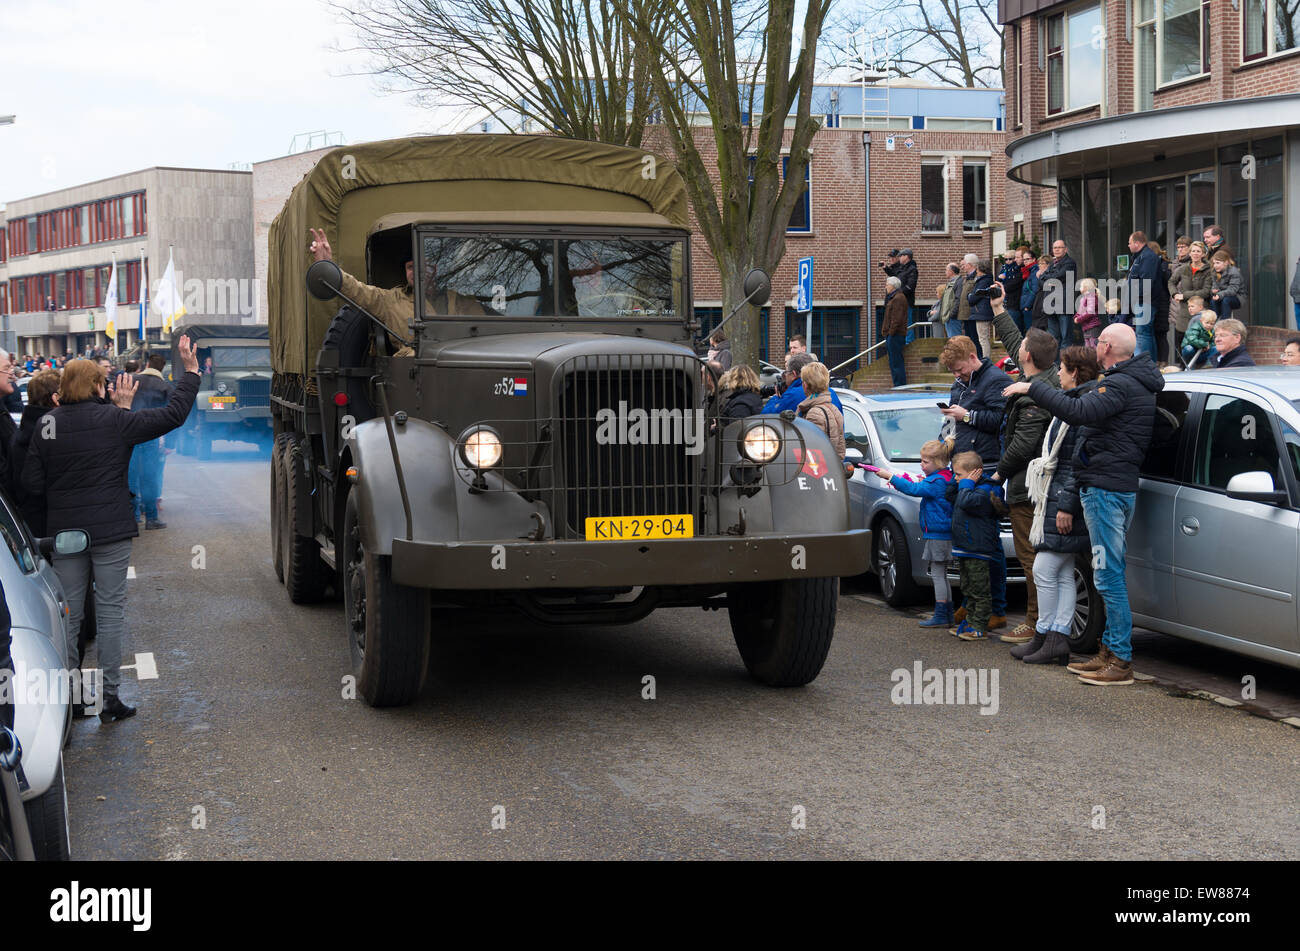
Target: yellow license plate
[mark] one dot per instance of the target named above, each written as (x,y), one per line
(221,399)
(639,527)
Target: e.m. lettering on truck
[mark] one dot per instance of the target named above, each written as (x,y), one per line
(539,436)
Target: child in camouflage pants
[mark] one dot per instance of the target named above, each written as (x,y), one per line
(976,539)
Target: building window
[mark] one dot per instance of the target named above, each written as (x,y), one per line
(934,196)
(974,195)
(801,217)
(1269,27)
(1173,44)
(1076,58)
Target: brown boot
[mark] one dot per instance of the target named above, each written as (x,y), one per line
(1092,664)
(996,621)
(960,614)
(1117,673)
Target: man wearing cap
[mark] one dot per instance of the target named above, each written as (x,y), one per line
(906,275)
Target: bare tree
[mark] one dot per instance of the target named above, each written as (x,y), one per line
(950,42)
(565,67)
(732,73)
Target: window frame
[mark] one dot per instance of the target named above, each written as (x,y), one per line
(1270,35)
(980,163)
(806,197)
(943,164)
(1062,53)
(1195,441)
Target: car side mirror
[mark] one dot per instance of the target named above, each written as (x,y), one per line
(1255,487)
(324,279)
(854,456)
(72,541)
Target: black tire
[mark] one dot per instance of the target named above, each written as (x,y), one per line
(784,628)
(47,819)
(388,624)
(305,574)
(1090,610)
(277,504)
(892,560)
(349,334)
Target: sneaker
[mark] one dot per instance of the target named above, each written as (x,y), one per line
(1117,673)
(154,523)
(960,629)
(972,634)
(1020,634)
(996,621)
(1092,663)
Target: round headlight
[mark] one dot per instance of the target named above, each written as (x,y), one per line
(480,447)
(221,388)
(760,443)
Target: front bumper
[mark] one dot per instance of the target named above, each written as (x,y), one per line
(583,564)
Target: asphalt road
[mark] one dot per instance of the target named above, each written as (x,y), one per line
(245,748)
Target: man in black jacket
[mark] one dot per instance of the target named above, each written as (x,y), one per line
(1120,414)
(79,461)
(1052,310)
(42,389)
(907,274)
(1230,344)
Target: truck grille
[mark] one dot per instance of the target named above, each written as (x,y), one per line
(254,391)
(645,472)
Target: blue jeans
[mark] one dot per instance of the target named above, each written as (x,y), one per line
(1188,352)
(1225,305)
(953,327)
(144,478)
(968,328)
(1109,516)
(1142,326)
(998,585)
(897,368)
(1058,325)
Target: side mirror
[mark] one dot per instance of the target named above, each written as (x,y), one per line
(853,456)
(324,279)
(1255,487)
(758,286)
(72,541)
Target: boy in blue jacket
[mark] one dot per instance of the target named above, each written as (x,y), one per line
(976,540)
(936,522)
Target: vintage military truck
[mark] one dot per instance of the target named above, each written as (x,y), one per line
(234,399)
(538,437)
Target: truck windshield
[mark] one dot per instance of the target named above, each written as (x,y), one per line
(235,358)
(606,277)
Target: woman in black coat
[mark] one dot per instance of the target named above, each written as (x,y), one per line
(1058,532)
(81,470)
(1160,318)
(739,393)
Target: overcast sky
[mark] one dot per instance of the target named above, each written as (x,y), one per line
(100,89)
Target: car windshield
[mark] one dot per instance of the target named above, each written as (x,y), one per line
(607,277)
(904,431)
(234,358)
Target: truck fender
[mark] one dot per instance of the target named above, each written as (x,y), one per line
(805,489)
(443,507)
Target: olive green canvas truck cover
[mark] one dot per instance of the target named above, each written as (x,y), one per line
(488,177)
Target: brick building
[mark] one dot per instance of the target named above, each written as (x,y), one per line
(57,252)
(1164,117)
(937,166)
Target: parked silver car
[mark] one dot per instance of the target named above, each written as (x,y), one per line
(889,429)
(42,710)
(1214,550)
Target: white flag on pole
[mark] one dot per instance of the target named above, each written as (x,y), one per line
(167,301)
(110,305)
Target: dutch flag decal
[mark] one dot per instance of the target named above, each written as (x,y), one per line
(521,386)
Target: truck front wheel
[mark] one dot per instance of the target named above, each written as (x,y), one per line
(305,575)
(388,623)
(784,628)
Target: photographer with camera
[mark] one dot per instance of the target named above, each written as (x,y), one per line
(981,313)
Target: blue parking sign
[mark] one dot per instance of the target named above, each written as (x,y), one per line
(805,285)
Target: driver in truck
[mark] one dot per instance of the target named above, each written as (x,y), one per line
(396,305)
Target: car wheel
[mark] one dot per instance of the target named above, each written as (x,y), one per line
(47,819)
(1089,610)
(388,624)
(305,574)
(784,628)
(893,563)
